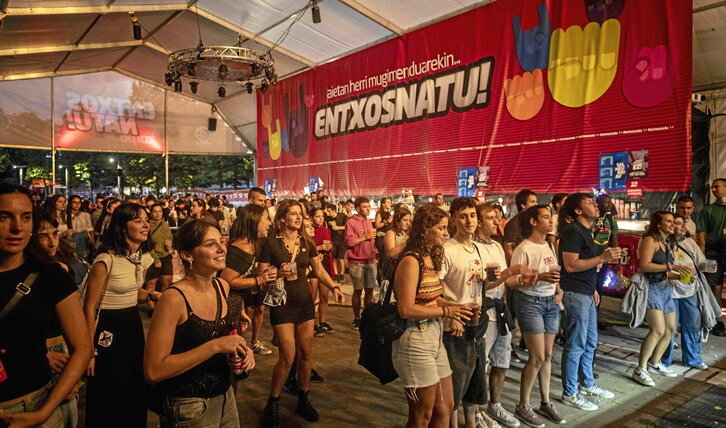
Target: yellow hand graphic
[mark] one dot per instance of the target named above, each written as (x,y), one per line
(583,63)
(525,94)
(275,141)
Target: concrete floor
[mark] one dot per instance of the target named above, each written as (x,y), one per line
(351,397)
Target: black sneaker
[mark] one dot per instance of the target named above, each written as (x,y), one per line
(290,386)
(719,329)
(315,376)
(515,358)
(271,415)
(356,324)
(318,331)
(522,345)
(305,408)
(326,327)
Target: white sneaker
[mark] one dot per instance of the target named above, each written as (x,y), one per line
(596,391)
(579,402)
(662,370)
(484,421)
(643,377)
(259,348)
(501,415)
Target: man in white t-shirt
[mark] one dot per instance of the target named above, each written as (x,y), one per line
(538,311)
(498,346)
(462,275)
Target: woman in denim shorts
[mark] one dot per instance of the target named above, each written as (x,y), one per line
(419,355)
(655,261)
(538,312)
(190,339)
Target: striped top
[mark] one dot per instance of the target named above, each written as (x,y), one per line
(429,289)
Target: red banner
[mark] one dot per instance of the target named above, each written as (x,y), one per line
(534,90)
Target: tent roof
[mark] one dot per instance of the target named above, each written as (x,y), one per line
(42,38)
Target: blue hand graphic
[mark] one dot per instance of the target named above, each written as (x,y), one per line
(533,46)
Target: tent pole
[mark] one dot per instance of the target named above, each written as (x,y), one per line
(254,169)
(52,135)
(166,149)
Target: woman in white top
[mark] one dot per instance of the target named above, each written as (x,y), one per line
(116,386)
(686,253)
(82,227)
(538,312)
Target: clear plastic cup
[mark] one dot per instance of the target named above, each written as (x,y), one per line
(292,268)
(475,309)
(709,266)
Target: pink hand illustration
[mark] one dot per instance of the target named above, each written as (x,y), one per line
(648,78)
(525,94)
(601,10)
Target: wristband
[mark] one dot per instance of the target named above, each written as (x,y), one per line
(519,280)
(443,311)
(257,281)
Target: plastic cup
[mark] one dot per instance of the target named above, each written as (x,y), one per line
(709,266)
(292,267)
(686,277)
(272,270)
(475,309)
(491,271)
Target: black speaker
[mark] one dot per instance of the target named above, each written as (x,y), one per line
(212,124)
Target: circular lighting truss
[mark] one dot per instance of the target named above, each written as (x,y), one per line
(222,64)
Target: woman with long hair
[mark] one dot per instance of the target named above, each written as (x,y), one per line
(57,206)
(419,355)
(324,245)
(198,211)
(116,387)
(47,247)
(686,252)
(248,231)
(27,395)
(292,314)
(656,262)
(191,338)
(104,219)
(82,228)
(394,241)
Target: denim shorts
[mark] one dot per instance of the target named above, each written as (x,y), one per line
(363,275)
(419,356)
(32,402)
(467,358)
(218,411)
(498,347)
(660,297)
(537,315)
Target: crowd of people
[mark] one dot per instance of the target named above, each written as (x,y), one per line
(74,272)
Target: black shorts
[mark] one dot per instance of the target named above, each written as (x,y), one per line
(338,250)
(251,298)
(165,269)
(291,315)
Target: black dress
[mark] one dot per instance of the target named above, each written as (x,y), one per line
(243,263)
(299,306)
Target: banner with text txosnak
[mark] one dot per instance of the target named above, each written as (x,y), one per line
(535,90)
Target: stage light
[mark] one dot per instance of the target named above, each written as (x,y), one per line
(316,12)
(222,92)
(194,86)
(135,26)
(263,86)
(178,86)
(190,69)
(250,87)
(168,79)
(223,71)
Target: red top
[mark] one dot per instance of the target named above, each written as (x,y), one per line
(322,233)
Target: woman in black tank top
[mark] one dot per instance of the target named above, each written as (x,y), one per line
(189,340)
(655,263)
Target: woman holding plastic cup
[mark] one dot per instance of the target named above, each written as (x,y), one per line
(537,311)
(656,262)
(324,244)
(686,253)
(292,313)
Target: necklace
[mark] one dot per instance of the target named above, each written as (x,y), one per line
(465,247)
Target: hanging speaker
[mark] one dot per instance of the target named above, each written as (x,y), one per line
(212,124)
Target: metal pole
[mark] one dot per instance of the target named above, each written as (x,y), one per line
(68,191)
(21,176)
(166,149)
(52,134)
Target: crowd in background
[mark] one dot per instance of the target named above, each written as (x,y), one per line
(465,279)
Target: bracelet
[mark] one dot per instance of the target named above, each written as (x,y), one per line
(335,288)
(257,281)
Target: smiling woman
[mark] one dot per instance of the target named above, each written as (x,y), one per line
(116,388)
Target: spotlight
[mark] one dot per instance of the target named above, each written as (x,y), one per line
(250,87)
(168,79)
(178,86)
(316,12)
(255,69)
(223,71)
(264,86)
(222,92)
(191,69)
(194,86)
(135,26)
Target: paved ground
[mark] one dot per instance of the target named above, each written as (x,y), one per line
(350,396)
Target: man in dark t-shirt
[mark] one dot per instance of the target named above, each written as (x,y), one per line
(580,258)
(339,248)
